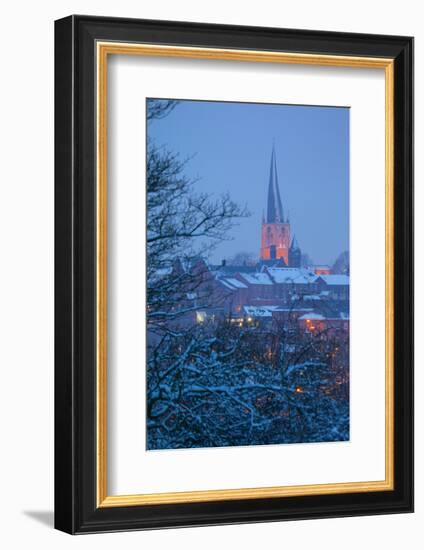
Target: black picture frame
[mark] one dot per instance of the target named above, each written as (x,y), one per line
(76,509)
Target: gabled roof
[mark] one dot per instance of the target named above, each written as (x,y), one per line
(261,278)
(296,275)
(232,283)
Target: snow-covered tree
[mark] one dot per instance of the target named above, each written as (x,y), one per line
(182,226)
(247,386)
(341,265)
(243,258)
(306,260)
(216,383)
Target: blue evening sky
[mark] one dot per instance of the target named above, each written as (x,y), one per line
(230,148)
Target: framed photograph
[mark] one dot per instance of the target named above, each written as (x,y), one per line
(234,274)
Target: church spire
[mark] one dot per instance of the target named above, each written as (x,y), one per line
(295,254)
(294,244)
(275,212)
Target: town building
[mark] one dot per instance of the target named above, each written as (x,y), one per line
(276,289)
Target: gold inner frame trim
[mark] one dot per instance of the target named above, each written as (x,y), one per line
(103,50)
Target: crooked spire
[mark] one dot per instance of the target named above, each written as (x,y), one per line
(275,212)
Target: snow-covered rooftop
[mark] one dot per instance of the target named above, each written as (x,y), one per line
(297,275)
(256,278)
(312,317)
(288,309)
(339,280)
(262,311)
(232,283)
(226,284)
(236,283)
(159,274)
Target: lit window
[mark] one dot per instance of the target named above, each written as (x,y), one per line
(200,316)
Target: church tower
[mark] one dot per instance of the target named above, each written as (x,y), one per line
(275,237)
(295,254)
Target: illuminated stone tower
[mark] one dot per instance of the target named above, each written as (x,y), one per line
(275,241)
